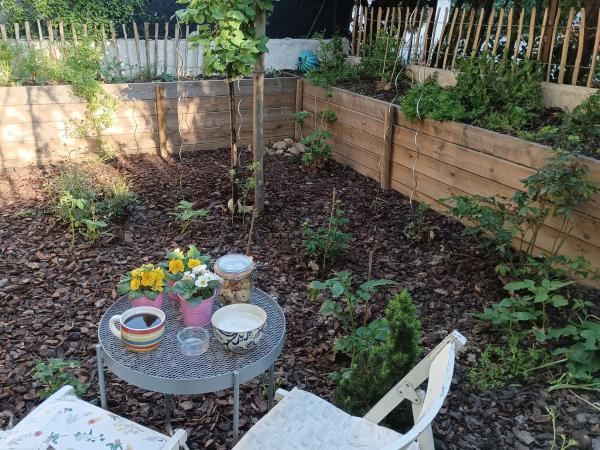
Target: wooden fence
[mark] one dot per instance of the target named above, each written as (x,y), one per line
(443,159)
(184,116)
(567,46)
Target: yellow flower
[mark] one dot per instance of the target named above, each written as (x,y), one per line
(193,263)
(176,266)
(179,253)
(159,276)
(136,273)
(135,284)
(148,278)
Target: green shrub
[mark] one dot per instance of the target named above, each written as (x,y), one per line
(431,100)
(317,152)
(87,197)
(381,360)
(186,214)
(326,243)
(57,373)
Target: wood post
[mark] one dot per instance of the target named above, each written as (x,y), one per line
(299,106)
(161,119)
(258,91)
(388,147)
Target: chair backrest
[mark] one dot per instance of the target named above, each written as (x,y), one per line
(437,367)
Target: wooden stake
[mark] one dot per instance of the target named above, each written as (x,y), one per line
(185,53)
(74,34)
(147,43)
(439,44)
(476,45)
(355,11)
(136,38)
(565,49)
(531,37)
(379,14)
(258,90)
(127,51)
(113,37)
(488,32)
(165,48)
(449,41)
(40,34)
(426,35)
(155,48)
(28,35)
(3,32)
(176,53)
(594,54)
(498,31)
(554,30)
(460,29)
(580,45)
(509,22)
(299,107)
(63,39)
(388,146)
(161,120)
(17,34)
(544,21)
(519,34)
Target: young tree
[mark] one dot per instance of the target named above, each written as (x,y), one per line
(227,37)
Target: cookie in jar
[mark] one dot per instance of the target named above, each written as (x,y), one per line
(236,270)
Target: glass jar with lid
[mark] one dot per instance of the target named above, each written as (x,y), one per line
(236,270)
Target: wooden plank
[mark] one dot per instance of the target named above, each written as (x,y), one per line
(73,33)
(129,65)
(41,34)
(161,121)
(531,37)
(28,35)
(592,72)
(498,31)
(449,38)
(460,30)
(580,46)
(155,49)
(554,30)
(519,34)
(509,23)
(476,44)
(63,39)
(17,34)
(565,49)
(388,148)
(3,32)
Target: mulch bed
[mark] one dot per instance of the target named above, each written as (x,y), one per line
(53,293)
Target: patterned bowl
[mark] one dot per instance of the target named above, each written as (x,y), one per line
(240,326)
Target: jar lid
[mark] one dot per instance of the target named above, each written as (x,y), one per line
(234,263)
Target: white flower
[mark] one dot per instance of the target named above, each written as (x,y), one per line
(199,269)
(201,283)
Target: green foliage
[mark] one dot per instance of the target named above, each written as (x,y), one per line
(57,373)
(431,100)
(300,116)
(72,11)
(324,245)
(88,198)
(226,33)
(497,366)
(565,443)
(317,151)
(555,191)
(415,229)
(186,214)
(25,212)
(329,116)
(382,354)
(345,303)
(504,95)
(332,66)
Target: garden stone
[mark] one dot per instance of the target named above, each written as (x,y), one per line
(289,142)
(300,147)
(595,444)
(523,436)
(294,151)
(280,145)
(279,152)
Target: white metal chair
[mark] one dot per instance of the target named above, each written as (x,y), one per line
(303,421)
(64,421)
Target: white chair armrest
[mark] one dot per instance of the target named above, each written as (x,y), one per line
(177,441)
(280,393)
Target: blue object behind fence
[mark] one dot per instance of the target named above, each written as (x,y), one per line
(307,60)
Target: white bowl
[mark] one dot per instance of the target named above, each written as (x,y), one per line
(239,327)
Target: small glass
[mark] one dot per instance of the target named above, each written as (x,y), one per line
(236,271)
(193,341)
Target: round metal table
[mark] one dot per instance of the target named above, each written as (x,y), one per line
(167,370)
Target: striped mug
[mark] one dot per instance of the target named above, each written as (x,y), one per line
(141,329)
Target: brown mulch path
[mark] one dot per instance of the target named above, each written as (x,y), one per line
(52,295)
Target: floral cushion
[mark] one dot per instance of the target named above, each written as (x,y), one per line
(68,423)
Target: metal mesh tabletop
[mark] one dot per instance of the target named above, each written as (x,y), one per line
(167,370)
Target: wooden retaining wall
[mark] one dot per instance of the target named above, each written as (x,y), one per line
(34,120)
(451,158)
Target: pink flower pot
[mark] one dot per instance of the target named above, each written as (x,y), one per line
(199,315)
(173,296)
(145,301)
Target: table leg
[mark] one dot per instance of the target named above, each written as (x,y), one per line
(168,414)
(236,406)
(270,391)
(101,382)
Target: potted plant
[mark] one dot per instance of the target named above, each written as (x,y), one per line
(144,285)
(178,262)
(197,290)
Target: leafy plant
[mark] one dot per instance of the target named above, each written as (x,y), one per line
(431,100)
(317,151)
(325,243)
(565,443)
(186,214)
(300,116)
(26,212)
(55,374)
(415,228)
(329,116)
(94,229)
(383,352)
(345,303)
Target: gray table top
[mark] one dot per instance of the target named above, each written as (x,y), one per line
(167,370)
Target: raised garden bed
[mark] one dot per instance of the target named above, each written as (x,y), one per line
(54,293)
(447,158)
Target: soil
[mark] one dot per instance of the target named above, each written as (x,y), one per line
(53,293)
(388,92)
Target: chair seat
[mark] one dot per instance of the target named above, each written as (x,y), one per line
(68,423)
(303,421)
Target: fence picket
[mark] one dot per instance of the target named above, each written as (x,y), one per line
(147,44)
(579,47)
(531,36)
(519,34)
(469,29)
(509,23)
(594,55)
(476,45)
(498,31)
(460,30)
(439,46)
(166,49)
(554,30)
(3,32)
(155,48)
(488,32)
(565,49)
(113,37)
(28,35)
(63,39)
(449,37)
(129,65)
